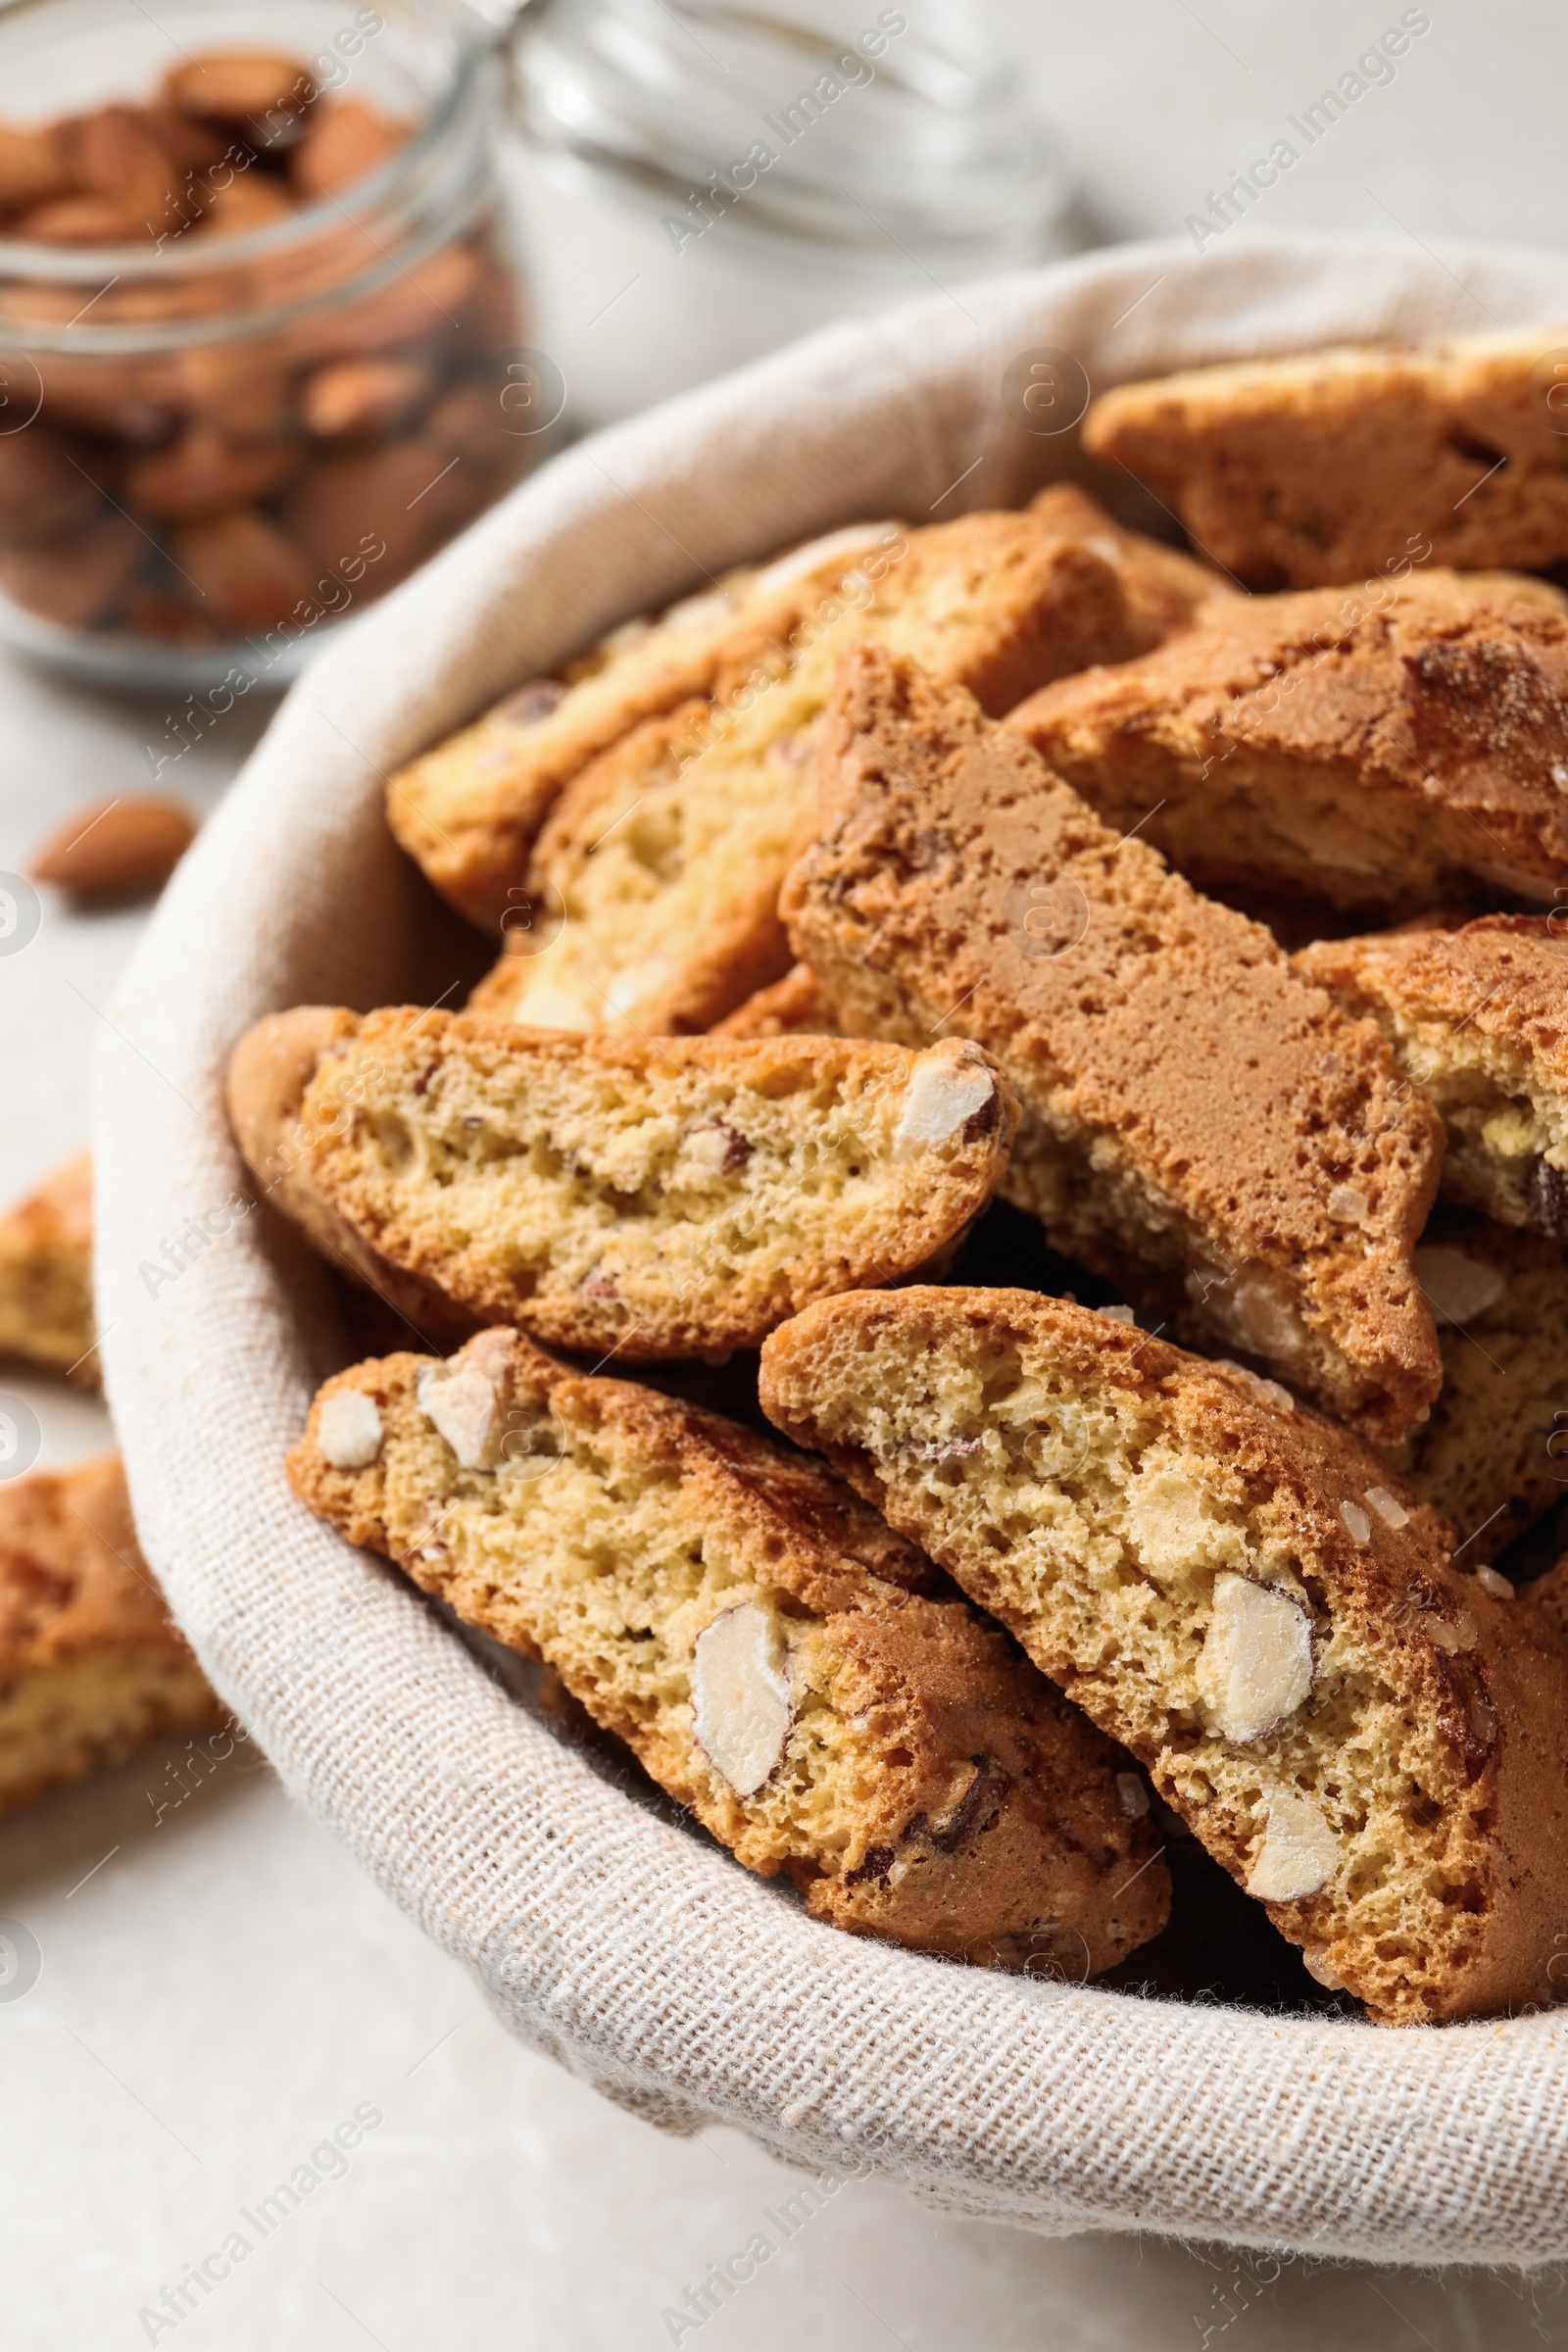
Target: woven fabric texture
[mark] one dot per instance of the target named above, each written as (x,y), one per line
(639,1954)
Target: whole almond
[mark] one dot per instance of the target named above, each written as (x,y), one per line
(77,580)
(344,140)
(357,399)
(32,165)
(83,221)
(237,85)
(114,848)
(202,473)
(249,201)
(242,567)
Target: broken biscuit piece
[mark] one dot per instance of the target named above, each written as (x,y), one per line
(794,1007)
(650,904)
(469,809)
(1328,465)
(774,1655)
(1475,1018)
(1372,1744)
(1201,1126)
(661,1201)
(1388,748)
(91,1666)
(46,1315)
(1164,587)
(1492,1454)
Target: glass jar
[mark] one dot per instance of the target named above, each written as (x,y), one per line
(701,181)
(294,370)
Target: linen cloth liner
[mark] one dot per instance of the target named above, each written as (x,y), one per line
(641,1956)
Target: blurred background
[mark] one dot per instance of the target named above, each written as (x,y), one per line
(217,1985)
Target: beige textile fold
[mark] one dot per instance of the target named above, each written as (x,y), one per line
(635,1951)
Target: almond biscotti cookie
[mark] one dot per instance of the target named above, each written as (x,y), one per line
(91,1666)
(469,809)
(777,1659)
(1475,1019)
(652,897)
(1323,467)
(1200,1124)
(1387,749)
(1372,1744)
(46,1312)
(1493,1454)
(656,1201)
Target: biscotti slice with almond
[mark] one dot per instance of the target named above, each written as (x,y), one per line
(1493,1455)
(1389,748)
(1374,1744)
(660,1201)
(469,809)
(1478,1021)
(776,1659)
(46,1312)
(91,1666)
(651,903)
(1200,1125)
(1324,465)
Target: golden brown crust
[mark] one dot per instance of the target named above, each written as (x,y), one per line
(1090,1486)
(90,1663)
(1390,746)
(269,1073)
(1299,472)
(46,1312)
(931,1789)
(1478,1021)
(660,1200)
(794,1007)
(1164,588)
(1197,1123)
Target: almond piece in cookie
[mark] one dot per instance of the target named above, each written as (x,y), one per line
(90,1665)
(1372,1744)
(1328,464)
(1475,1019)
(469,809)
(660,1200)
(1200,1125)
(46,1312)
(782,1663)
(664,858)
(1387,746)
(1490,1456)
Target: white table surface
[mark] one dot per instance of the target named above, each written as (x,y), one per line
(221,1986)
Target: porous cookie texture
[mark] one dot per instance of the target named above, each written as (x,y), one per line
(46,1275)
(1371,1742)
(91,1666)
(1493,1453)
(663,1201)
(1388,747)
(1292,472)
(469,809)
(652,901)
(777,1658)
(1200,1125)
(794,1007)
(1478,1021)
